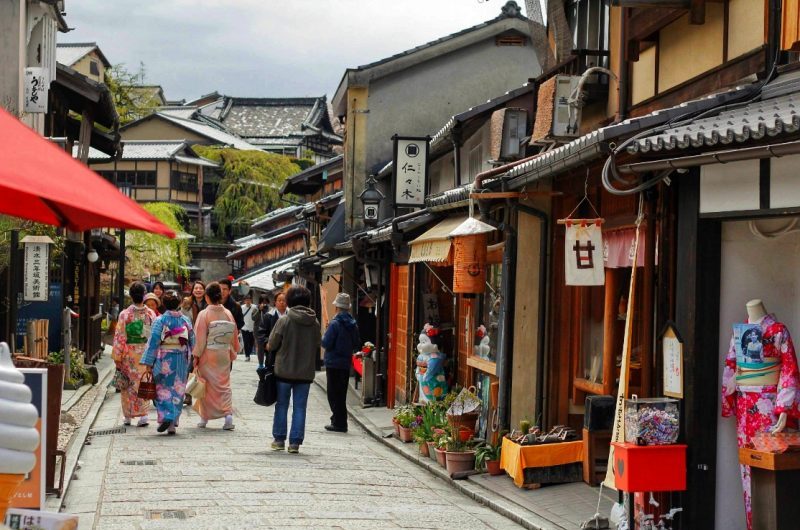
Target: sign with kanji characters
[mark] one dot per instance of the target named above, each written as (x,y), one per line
(410,171)
(37,268)
(672,349)
(36,87)
(583,252)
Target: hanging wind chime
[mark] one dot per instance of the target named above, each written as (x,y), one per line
(470,240)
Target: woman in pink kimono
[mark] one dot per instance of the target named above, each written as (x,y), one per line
(759,382)
(130,341)
(216,344)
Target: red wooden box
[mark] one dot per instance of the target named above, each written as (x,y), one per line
(649,467)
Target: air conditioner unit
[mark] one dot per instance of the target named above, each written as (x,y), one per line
(556,119)
(508,128)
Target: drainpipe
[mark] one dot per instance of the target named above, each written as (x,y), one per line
(622,80)
(455,137)
(476,185)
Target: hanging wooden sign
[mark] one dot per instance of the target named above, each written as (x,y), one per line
(583,252)
(672,351)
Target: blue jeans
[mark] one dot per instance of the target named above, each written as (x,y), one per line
(299,393)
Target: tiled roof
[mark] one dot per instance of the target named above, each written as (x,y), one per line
(274,214)
(262,278)
(276,117)
(179,111)
(209,132)
(142,150)
(265,239)
(755,121)
(69,53)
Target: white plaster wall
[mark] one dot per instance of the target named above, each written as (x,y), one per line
(751,268)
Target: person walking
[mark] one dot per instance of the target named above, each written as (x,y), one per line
(295,341)
(130,340)
(153,302)
(248,314)
(167,360)
(198,299)
(216,344)
(340,341)
(230,304)
(265,326)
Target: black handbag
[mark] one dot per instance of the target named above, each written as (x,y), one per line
(267,393)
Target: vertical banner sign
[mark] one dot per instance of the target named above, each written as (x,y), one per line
(36,89)
(672,349)
(583,252)
(618,428)
(410,171)
(37,268)
(30,494)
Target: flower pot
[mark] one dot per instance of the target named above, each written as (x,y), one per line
(431,450)
(493,467)
(441,457)
(405,434)
(466,421)
(464,434)
(460,461)
(396,428)
(423,449)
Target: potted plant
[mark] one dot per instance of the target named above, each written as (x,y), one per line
(430,419)
(406,416)
(458,456)
(440,448)
(488,456)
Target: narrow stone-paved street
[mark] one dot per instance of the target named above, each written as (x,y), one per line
(210,478)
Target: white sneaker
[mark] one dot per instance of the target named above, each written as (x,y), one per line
(126,421)
(202,424)
(144,421)
(228,423)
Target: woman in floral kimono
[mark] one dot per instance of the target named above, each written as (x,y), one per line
(130,340)
(760,382)
(167,358)
(217,342)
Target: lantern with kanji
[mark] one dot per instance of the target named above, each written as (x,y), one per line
(470,240)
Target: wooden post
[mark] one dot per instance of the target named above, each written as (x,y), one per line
(609,335)
(648,307)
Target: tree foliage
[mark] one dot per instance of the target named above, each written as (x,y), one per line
(148,253)
(132,100)
(250,184)
(25,227)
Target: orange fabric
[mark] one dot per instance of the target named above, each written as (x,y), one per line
(514,458)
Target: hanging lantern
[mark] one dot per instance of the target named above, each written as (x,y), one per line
(470,240)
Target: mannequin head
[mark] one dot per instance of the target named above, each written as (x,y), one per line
(755,310)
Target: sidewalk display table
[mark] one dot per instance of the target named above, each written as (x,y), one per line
(542,464)
(775,481)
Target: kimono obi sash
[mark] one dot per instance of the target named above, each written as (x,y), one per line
(137,332)
(765,373)
(220,334)
(174,337)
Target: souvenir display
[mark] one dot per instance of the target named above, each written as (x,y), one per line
(654,421)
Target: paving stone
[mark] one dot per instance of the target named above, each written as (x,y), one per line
(232,480)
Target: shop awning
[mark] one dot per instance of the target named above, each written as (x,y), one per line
(334,266)
(334,233)
(263,278)
(434,245)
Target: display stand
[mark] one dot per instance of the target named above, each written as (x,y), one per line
(533,465)
(775,481)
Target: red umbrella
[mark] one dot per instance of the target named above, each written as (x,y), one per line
(41,182)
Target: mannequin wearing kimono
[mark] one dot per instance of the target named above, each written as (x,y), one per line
(760,388)
(430,369)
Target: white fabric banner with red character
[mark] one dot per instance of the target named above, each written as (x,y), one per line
(583,252)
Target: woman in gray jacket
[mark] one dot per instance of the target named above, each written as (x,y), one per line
(296,343)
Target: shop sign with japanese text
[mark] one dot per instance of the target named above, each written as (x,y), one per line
(410,171)
(37,281)
(36,86)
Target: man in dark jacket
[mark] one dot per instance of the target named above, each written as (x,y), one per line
(341,340)
(230,304)
(264,328)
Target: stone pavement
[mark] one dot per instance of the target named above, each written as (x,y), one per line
(209,478)
(553,507)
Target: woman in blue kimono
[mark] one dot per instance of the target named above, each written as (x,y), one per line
(167,359)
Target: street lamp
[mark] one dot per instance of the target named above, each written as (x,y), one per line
(371,198)
(92,256)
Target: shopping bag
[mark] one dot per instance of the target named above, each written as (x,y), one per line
(196,387)
(267,393)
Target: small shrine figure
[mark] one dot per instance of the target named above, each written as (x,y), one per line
(430,366)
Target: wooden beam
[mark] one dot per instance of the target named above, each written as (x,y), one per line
(645,22)
(484,365)
(697,12)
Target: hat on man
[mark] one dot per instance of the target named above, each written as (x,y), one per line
(342,301)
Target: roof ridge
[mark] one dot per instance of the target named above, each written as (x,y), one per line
(76,44)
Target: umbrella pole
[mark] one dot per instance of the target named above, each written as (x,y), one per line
(11,289)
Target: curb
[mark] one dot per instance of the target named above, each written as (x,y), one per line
(528,519)
(73,449)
